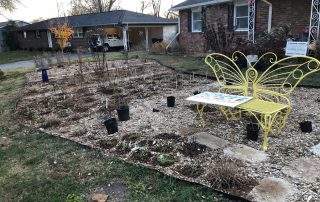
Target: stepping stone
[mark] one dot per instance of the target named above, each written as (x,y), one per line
(316,149)
(245,153)
(210,141)
(304,168)
(272,190)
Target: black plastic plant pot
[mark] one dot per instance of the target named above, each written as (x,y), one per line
(306,126)
(196,92)
(171,101)
(111,125)
(253,131)
(123,113)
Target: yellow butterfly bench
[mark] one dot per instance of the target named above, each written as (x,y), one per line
(270,90)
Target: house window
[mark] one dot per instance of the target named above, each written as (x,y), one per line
(196,20)
(38,36)
(24,34)
(78,32)
(241,17)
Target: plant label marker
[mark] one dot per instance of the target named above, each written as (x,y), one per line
(192,76)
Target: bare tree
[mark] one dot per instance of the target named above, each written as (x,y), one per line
(156,5)
(144,5)
(79,7)
(8,5)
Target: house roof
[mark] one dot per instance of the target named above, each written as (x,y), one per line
(18,23)
(112,18)
(195,3)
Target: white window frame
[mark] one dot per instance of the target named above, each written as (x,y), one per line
(24,34)
(77,32)
(196,10)
(235,17)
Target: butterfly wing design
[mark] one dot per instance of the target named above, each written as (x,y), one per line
(227,72)
(282,76)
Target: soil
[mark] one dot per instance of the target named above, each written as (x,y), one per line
(193,149)
(193,171)
(115,191)
(107,144)
(141,155)
(168,136)
(76,106)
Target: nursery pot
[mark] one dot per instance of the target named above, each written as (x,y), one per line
(196,92)
(171,101)
(111,125)
(123,113)
(253,131)
(306,126)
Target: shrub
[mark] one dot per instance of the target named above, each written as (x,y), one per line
(226,174)
(219,38)
(159,47)
(51,122)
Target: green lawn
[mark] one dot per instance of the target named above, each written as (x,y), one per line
(15,56)
(35,166)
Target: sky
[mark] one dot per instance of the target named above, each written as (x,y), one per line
(35,9)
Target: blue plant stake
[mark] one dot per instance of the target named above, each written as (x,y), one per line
(45,78)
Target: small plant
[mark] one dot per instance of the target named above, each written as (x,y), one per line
(133,137)
(141,155)
(159,47)
(165,160)
(226,174)
(74,198)
(123,148)
(163,148)
(51,122)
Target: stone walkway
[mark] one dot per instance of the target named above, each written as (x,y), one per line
(270,189)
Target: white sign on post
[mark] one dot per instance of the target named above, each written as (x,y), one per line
(296,48)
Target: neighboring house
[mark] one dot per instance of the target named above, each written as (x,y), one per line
(138,28)
(3,26)
(247,17)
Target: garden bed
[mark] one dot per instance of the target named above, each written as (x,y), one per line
(73,106)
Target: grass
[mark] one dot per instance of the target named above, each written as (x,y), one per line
(15,56)
(35,166)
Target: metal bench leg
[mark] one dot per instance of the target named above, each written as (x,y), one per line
(267,124)
(283,119)
(231,113)
(200,108)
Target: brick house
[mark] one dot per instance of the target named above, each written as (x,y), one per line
(138,28)
(248,18)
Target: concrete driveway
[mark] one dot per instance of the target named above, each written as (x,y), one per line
(29,63)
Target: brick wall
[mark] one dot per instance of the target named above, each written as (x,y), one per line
(294,12)
(32,41)
(35,43)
